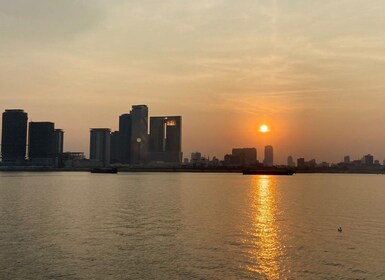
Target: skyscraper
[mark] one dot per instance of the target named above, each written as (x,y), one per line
(59,141)
(124,139)
(173,147)
(157,139)
(100,145)
(41,143)
(139,134)
(114,147)
(14,135)
(269,157)
(59,145)
(165,143)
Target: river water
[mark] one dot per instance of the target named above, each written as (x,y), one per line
(191,226)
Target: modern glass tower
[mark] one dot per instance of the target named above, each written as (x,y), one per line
(165,142)
(41,141)
(14,135)
(139,134)
(173,147)
(100,145)
(124,139)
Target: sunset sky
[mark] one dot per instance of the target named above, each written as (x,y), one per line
(314,71)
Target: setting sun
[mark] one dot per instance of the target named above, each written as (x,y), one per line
(264,128)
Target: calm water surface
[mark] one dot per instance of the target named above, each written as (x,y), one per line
(191,226)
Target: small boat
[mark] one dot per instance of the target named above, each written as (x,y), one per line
(108,170)
(268,171)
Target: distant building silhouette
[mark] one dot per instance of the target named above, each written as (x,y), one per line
(311,163)
(14,135)
(232,160)
(59,141)
(114,147)
(368,159)
(139,134)
(165,140)
(290,161)
(346,159)
(246,156)
(59,146)
(124,142)
(100,145)
(196,158)
(269,156)
(301,163)
(41,143)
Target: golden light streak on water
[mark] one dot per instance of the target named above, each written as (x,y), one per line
(265,248)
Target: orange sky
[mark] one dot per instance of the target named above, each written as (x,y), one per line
(312,70)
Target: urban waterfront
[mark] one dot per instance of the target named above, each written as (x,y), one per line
(191,226)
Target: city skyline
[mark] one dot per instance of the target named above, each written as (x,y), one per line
(310,70)
(159,139)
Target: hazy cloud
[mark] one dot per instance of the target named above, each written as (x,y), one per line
(294,63)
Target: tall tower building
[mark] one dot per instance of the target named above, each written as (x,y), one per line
(157,139)
(14,135)
(41,142)
(174,138)
(59,146)
(124,139)
(114,147)
(100,148)
(269,157)
(139,134)
(59,141)
(165,143)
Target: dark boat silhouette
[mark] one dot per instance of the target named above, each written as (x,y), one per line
(267,171)
(108,170)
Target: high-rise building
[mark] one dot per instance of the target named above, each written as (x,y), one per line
(269,157)
(157,135)
(124,142)
(247,156)
(59,141)
(139,134)
(14,135)
(165,140)
(100,145)
(114,147)
(59,146)
(173,147)
(290,161)
(41,143)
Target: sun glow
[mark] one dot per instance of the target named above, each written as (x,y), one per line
(264,128)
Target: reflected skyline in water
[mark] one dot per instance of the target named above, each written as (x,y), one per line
(265,248)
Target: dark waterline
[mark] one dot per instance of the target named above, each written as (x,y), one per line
(191,226)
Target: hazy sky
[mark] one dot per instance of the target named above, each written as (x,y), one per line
(313,70)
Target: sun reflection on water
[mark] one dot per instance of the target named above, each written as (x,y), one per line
(264,247)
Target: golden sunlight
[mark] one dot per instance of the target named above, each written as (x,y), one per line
(264,128)
(265,248)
